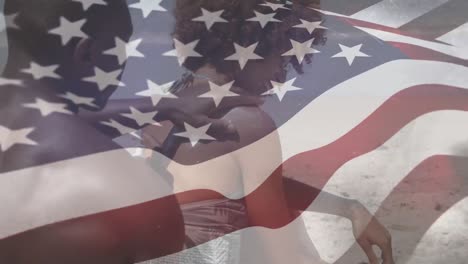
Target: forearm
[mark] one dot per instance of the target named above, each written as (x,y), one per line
(288,242)
(177,113)
(285,242)
(114,109)
(304,197)
(332,204)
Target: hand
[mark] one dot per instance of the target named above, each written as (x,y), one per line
(199,114)
(153,136)
(221,129)
(368,232)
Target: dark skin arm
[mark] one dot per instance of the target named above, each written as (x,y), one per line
(195,112)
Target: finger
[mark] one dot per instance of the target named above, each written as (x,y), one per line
(387,251)
(367,248)
(236,101)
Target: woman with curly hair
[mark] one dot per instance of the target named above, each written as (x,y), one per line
(236,122)
(272,204)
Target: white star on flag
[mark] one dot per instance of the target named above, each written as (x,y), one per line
(119,127)
(263,19)
(79,100)
(68,30)
(301,49)
(243,55)
(104,79)
(39,72)
(219,92)
(310,26)
(9,137)
(195,134)
(210,18)
(280,89)
(88,3)
(350,53)
(157,92)
(47,108)
(183,51)
(5,81)
(124,50)
(142,118)
(148,6)
(274,6)
(8,21)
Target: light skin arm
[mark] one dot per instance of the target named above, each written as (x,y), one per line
(278,191)
(366,228)
(178,111)
(267,206)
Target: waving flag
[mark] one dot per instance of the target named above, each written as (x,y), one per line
(369,103)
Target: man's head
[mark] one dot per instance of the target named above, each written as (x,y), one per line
(42,37)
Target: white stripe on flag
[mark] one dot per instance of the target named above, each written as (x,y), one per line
(396,13)
(457,37)
(348,9)
(436,133)
(458,51)
(82,186)
(329,13)
(345,106)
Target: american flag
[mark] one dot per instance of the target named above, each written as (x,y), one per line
(366,101)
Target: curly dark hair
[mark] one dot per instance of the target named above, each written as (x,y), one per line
(217,43)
